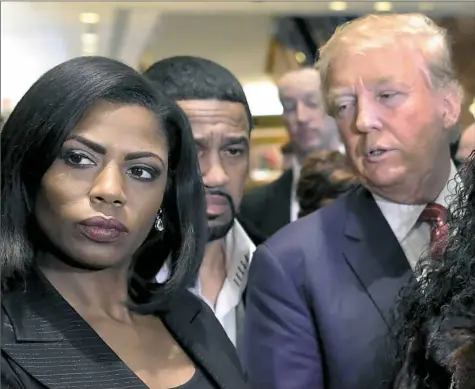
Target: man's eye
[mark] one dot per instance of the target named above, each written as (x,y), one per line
(234,152)
(341,108)
(387,95)
(289,107)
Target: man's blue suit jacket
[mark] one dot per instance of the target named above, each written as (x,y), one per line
(320,297)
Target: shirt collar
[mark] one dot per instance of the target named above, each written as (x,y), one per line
(402,217)
(296,167)
(238,248)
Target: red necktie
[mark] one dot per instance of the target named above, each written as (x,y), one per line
(436,216)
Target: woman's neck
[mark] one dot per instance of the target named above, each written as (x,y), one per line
(98,293)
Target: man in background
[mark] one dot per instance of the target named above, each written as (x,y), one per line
(221,122)
(272,206)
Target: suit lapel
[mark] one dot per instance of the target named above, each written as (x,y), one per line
(374,253)
(240,316)
(193,330)
(56,346)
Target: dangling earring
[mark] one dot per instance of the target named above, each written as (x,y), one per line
(159,221)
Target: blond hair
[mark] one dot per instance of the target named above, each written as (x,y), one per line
(378,31)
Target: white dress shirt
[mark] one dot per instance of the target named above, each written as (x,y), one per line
(238,249)
(294,204)
(412,234)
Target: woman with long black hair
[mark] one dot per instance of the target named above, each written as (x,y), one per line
(100,186)
(437,309)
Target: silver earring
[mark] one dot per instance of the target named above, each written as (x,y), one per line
(159,221)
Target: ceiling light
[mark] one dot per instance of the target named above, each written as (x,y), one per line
(90,43)
(89,18)
(426,7)
(263,98)
(338,5)
(382,6)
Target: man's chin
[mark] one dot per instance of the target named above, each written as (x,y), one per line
(217,231)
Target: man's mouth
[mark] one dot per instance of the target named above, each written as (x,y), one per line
(219,205)
(216,200)
(216,210)
(216,205)
(376,153)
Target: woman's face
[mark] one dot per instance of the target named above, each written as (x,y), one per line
(98,201)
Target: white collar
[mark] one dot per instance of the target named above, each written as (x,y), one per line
(296,167)
(403,217)
(238,248)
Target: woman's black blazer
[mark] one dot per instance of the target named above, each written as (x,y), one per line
(46,344)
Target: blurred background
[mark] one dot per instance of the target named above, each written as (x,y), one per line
(256,40)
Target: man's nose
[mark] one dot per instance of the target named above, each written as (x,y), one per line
(302,113)
(108,187)
(367,116)
(213,171)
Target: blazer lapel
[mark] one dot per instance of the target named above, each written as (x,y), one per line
(374,253)
(55,345)
(194,332)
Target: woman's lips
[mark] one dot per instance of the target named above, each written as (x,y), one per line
(103,230)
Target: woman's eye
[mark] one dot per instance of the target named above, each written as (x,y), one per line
(142,173)
(74,158)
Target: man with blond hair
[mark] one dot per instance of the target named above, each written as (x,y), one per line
(322,289)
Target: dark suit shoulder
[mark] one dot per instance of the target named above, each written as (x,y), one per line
(254,197)
(268,207)
(256,236)
(263,191)
(310,231)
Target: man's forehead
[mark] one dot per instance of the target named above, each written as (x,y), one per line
(211,107)
(376,66)
(221,136)
(215,112)
(302,79)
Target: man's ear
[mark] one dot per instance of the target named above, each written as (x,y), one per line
(451,104)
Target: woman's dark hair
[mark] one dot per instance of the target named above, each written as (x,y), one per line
(325,175)
(436,313)
(32,138)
